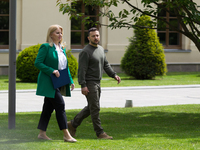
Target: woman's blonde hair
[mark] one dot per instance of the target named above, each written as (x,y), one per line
(51,29)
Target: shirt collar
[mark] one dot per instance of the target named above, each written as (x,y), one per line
(59,45)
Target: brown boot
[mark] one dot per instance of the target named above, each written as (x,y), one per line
(72,130)
(105,136)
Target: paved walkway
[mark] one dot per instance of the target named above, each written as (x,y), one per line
(26,100)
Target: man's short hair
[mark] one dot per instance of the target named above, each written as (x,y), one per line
(92,29)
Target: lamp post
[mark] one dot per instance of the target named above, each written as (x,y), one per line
(12,64)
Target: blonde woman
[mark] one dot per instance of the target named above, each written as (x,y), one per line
(51,58)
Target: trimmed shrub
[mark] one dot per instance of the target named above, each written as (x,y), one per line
(144,57)
(72,63)
(27,72)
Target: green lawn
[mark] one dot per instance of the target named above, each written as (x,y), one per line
(182,78)
(174,127)
(139,128)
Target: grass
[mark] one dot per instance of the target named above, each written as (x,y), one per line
(176,78)
(139,128)
(4,83)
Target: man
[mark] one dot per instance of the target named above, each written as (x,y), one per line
(92,62)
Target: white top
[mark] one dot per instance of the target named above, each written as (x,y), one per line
(62,60)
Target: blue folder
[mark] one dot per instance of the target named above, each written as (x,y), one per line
(62,80)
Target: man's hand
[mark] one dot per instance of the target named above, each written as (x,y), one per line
(118,79)
(84,91)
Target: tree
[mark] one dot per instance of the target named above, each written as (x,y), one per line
(144,57)
(186,12)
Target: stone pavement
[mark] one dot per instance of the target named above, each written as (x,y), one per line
(27,101)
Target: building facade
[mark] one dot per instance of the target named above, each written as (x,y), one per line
(35,17)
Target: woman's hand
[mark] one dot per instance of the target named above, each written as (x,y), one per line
(72,87)
(57,73)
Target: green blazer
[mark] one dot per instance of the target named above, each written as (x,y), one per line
(47,62)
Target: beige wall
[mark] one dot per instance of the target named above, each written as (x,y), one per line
(117,39)
(4,59)
(35,16)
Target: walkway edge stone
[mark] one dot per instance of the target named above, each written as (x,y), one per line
(122,88)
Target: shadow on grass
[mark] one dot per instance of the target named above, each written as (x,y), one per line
(119,124)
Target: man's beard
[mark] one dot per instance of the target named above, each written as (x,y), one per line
(94,43)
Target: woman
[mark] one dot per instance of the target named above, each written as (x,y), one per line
(51,58)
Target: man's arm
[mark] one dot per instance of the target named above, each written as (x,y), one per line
(82,68)
(110,72)
(108,69)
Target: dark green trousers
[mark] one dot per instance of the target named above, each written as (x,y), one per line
(92,108)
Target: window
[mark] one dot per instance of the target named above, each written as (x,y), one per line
(78,29)
(4,24)
(168,37)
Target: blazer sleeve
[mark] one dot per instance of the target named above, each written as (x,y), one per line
(70,77)
(39,61)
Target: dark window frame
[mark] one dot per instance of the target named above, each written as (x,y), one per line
(83,31)
(4,30)
(167,33)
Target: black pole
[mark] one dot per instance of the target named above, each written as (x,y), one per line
(12,64)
